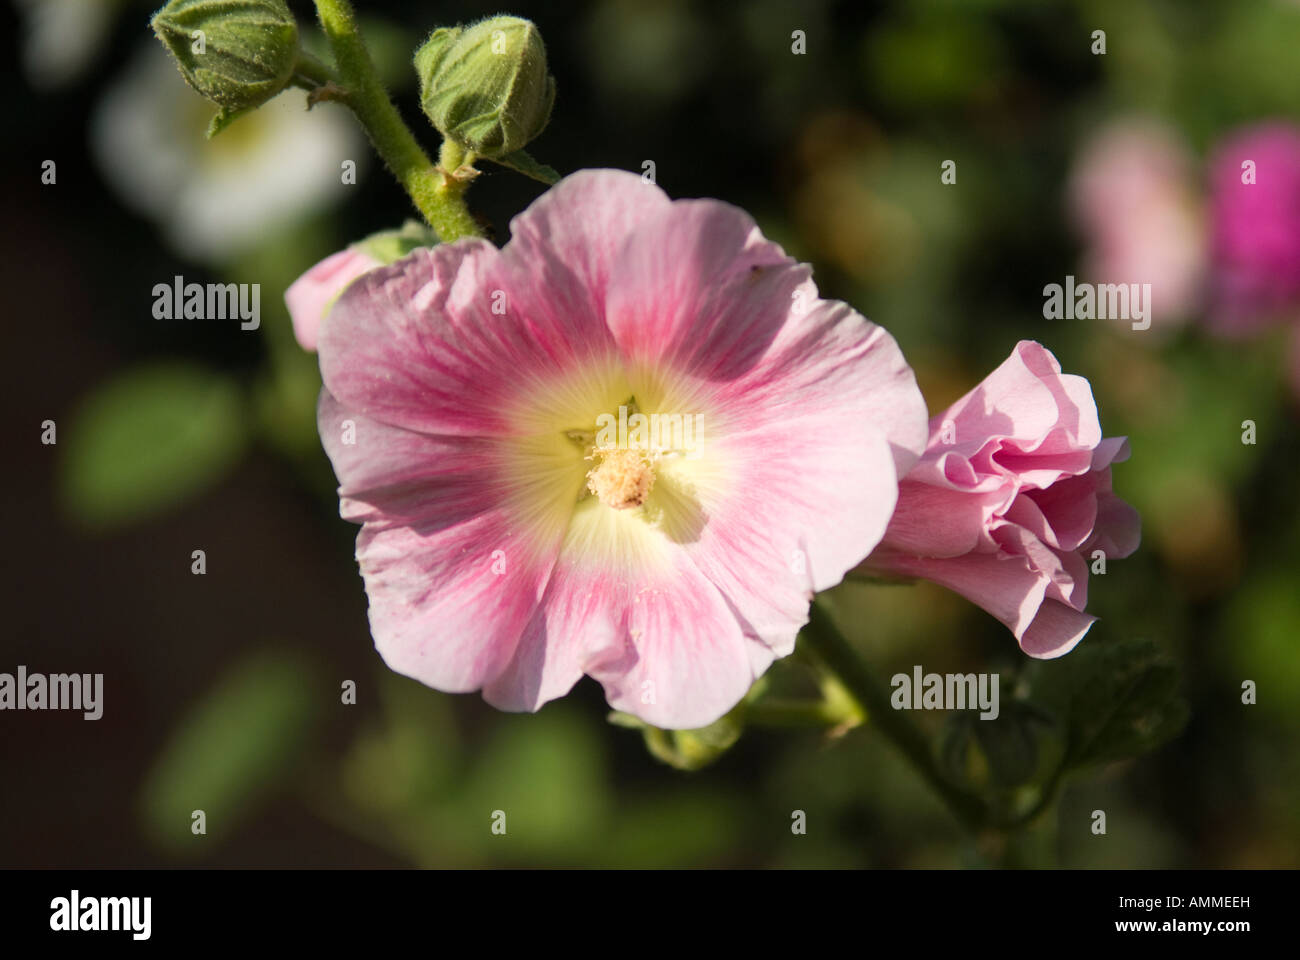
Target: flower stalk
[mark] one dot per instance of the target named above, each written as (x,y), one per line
(836,657)
(437,196)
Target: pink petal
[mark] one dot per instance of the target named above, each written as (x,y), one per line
(1009,588)
(684,660)
(1055,631)
(311,295)
(804,505)
(563,248)
(417,344)
(698,291)
(936,521)
(453,575)
(663,642)
(1119,528)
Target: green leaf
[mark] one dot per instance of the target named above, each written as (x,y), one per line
(1115,700)
(147,440)
(546,774)
(521,162)
(238,742)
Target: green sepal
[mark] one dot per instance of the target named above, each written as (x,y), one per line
(521,162)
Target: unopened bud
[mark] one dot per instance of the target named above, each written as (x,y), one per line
(485,86)
(238,55)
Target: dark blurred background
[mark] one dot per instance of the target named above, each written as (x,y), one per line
(222,690)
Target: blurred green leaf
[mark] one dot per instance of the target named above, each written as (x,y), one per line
(411,761)
(546,774)
(1263,618)
(237,743)
(148,439)
(1115,700)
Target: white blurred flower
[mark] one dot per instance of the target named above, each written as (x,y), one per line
(1137,208)
(214,198)
(61,37)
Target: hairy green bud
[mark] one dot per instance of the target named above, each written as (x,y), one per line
(485,86)
(236,53)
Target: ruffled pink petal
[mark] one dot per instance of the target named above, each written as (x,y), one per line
(1025,418)
(1119,528)
(1062,516)
(1064,571)
(1005,586)
(1009,588)
(1055,631)
(311,295)
(936,521)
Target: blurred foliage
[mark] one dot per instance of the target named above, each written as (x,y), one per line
(148,439)
(238,743)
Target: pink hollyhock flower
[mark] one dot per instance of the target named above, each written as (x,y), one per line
(513,540)
(311,295)
(1256,229)
(1132,197)
(1010,499)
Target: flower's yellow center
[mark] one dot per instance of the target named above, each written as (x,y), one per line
(622,478)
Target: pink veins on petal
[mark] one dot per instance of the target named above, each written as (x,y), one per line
(508,544)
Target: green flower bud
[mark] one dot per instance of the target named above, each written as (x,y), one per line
(688,749)
(389,246)
(236,53)
(485,87)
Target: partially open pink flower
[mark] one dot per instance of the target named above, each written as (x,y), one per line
(1011,498)
(517,536)
(1256,228)
(311,295)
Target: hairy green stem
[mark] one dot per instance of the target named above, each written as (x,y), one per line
(435,193)
(310,73)
(835,656)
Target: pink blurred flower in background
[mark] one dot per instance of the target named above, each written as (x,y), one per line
(311,295)
(1011,498)
(1255,229)
(1136,206)
(506,548)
